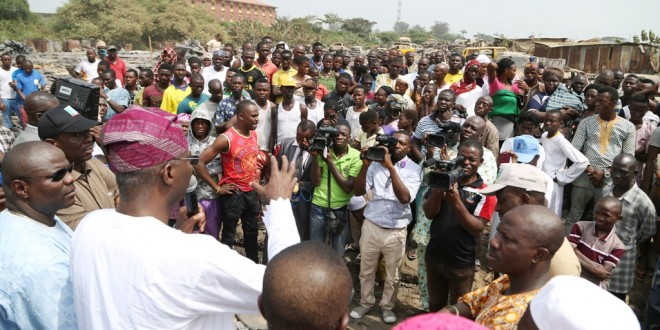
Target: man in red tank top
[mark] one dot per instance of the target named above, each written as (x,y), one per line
(242,162)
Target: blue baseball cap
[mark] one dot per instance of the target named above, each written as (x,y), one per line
(526,148)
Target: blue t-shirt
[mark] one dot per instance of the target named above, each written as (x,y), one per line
(190,103)
(29,84)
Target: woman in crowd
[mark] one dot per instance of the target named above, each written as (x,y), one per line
(467,90)
(327,76)
(556,96)
(505,93)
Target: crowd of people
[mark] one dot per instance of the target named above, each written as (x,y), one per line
(386,155)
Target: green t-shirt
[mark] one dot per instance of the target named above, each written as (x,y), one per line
(189,103)
(349,166)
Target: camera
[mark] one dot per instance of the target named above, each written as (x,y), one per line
(448,134)
(376,152)
(323,138)
(451,171)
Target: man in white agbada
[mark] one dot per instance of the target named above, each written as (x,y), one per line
(132,271)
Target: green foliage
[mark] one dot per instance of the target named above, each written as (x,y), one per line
(401,28)
(131,21)
(651,36)
(635,39)
(14,10)
(644,35)
(357,25)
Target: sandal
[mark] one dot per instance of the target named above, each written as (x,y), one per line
(412,254)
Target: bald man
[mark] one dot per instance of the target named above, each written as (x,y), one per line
(527,239)
(36,291)
(637,222)
(524,184)
(35,106)
(306,286)
(215,90)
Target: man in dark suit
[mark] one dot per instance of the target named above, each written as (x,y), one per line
(295,150)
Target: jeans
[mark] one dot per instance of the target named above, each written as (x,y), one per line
(318,220)
(11,107)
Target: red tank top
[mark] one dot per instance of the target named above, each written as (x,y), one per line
(242,163)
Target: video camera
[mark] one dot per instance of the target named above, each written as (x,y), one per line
(323,138)
(451,171)
(376,152)
(448,134)
(80,95)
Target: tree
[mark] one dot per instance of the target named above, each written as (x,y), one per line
(462,33)
(643,35)
(651,36)
(14,10)
(439,29)
(357,25)
(635,39)
(333,21)
(418,34)
(401,28)
(124,21)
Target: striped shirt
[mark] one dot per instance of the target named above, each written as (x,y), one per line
(607,249)
(600,141)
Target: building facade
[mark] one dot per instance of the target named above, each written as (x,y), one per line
(235,10)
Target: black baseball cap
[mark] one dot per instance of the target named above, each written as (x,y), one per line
(63,119)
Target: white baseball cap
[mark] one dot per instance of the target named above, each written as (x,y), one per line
(524,176)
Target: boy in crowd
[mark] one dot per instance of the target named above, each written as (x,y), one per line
(596,244)
(557,151)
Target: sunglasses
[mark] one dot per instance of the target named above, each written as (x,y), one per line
(193,160)
(55,177)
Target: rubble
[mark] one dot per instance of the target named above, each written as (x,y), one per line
(15,48)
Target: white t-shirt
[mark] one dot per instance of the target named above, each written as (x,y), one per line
(6,92)
(353,118)
(209,74)
(314,114)
(138,273)
(287,121)
(264,126)
(88,70)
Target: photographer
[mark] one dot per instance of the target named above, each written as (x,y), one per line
(458,215)
(297,151)
(428,124)
(393,182)
(329,212)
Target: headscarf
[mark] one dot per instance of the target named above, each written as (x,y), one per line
(169,52)
(554,71)
(396,101)
(438,321)
(462,86)
(139,138)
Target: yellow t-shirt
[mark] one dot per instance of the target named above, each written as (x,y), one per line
(280,76)
(172,97)
(452,78)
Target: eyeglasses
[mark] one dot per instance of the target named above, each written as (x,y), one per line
(193,160)
(55,177)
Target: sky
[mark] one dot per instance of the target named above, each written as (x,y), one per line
(573,19)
